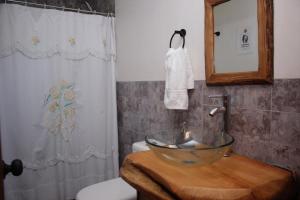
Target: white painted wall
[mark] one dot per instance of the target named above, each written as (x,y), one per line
(144,28)
(286,40)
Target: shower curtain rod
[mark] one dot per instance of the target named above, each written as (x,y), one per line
(61,8)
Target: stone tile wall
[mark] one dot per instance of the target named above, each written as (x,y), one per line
(265,119)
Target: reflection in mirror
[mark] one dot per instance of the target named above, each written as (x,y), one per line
(236,36)
(238,42)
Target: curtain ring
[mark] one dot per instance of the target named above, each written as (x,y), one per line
(108,10)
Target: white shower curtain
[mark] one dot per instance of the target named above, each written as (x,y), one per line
(57,101)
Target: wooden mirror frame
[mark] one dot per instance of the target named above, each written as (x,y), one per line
(265,48)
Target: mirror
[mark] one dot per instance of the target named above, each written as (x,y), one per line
(238,41)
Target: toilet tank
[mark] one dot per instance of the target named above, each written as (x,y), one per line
(139,146)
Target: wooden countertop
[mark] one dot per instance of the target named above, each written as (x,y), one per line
(231,178)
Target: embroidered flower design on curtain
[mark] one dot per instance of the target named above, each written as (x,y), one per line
(60,109)
(68,34)
(35,40)
(72,41)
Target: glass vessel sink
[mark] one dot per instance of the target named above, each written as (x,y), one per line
(190,147)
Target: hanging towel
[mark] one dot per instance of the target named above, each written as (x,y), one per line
(179,78)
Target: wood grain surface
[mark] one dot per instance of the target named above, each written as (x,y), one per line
(231,178)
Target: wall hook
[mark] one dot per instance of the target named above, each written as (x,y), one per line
(217,33)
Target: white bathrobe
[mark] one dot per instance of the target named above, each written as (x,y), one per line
(179,78)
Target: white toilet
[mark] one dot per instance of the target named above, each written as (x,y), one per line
(114,189)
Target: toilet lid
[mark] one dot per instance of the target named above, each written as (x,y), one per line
(114,189)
